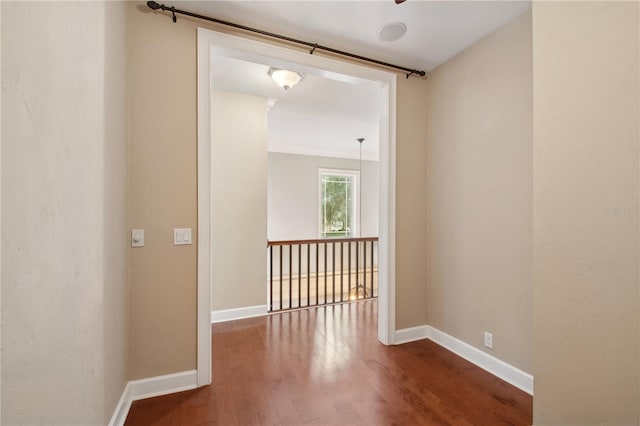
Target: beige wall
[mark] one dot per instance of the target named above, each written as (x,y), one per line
(162,73)
(411,203)
(479,192)
(239,194)
(162,192)
(585,250)
(116,291)
(64,212)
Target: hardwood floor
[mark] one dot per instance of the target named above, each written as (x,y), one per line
(325,366)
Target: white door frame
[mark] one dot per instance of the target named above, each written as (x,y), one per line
(208,41)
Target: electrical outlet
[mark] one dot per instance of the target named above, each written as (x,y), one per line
(137,238)
(488,340)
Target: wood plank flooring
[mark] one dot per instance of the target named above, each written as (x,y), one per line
(324,366)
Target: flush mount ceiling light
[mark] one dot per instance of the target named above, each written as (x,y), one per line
(392,31)
(285,78)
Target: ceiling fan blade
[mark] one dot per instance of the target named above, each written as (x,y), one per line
(400,1)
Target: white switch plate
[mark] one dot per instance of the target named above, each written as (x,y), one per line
(488,340)
(137,238)
(181,236)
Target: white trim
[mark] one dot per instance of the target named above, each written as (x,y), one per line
(122,409)
(489,363)
(412,334)
(163,385)
(238,313)
(340,70)
(150,387)
(203,358)
(387,216)
(493,365)
(355,197)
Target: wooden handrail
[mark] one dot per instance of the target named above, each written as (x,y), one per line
(319,241)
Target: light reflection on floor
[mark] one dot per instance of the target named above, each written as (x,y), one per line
(332,332)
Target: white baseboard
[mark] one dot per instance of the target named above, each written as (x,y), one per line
(412,334)
(150,387)
(238,313)
(493,365)
(489,363)
(122,409)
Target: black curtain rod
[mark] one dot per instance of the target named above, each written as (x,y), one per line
(314,46)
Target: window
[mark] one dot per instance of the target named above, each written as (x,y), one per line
(338,203)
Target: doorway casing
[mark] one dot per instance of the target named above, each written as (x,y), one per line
(208,41)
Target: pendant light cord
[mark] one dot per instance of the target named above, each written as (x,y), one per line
(360,140)
(360,192)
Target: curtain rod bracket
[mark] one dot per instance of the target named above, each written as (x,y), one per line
(153,5)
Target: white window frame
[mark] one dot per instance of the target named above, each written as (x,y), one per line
(355,174)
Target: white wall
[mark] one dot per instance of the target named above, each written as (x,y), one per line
(239,229)
(64,278)
(293,194)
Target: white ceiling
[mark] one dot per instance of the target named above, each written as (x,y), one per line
(323,115)
(319,116)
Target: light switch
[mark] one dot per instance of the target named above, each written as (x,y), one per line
(137,238)
(181,236)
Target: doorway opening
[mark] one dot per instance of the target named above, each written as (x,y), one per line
(213,46)
(322,185)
